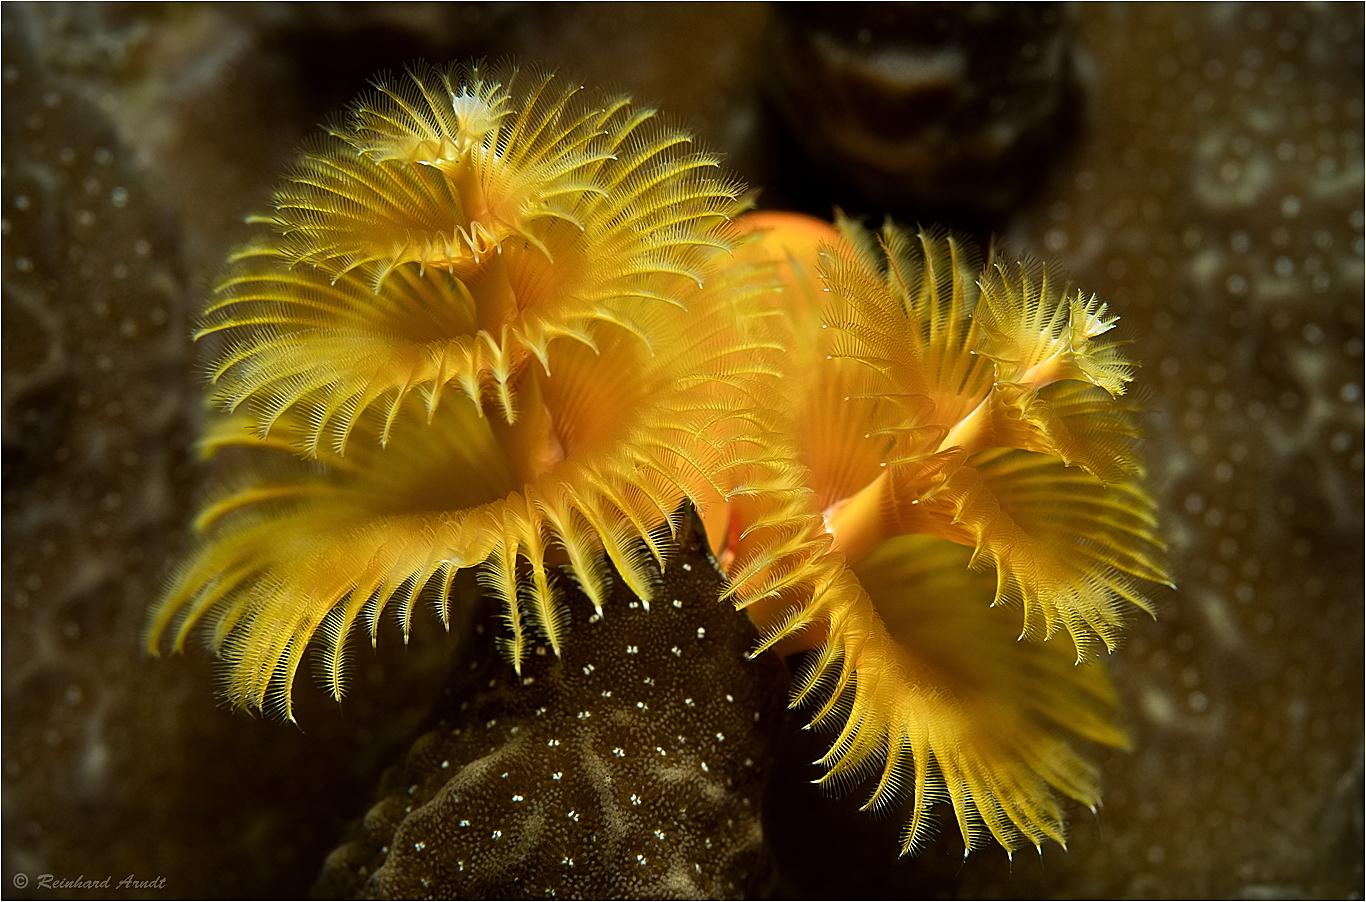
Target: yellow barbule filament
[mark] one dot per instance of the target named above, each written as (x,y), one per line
(973,521)
(353,482)
(457,223)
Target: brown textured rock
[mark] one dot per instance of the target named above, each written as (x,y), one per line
(632,767)
(1218,202)
(1212,195)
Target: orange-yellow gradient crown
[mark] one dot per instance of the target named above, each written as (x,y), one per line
(975,521)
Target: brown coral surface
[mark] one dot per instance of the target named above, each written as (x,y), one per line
(1209,189)
(632,765)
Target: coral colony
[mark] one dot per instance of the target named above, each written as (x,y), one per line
(498,323)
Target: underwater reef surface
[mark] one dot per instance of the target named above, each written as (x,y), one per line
(1210,190)
(631,765)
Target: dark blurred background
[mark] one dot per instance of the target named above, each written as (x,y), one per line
(1198,166)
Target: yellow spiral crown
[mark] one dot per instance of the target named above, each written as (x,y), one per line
(554,260)
(966,522)
(456,224)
